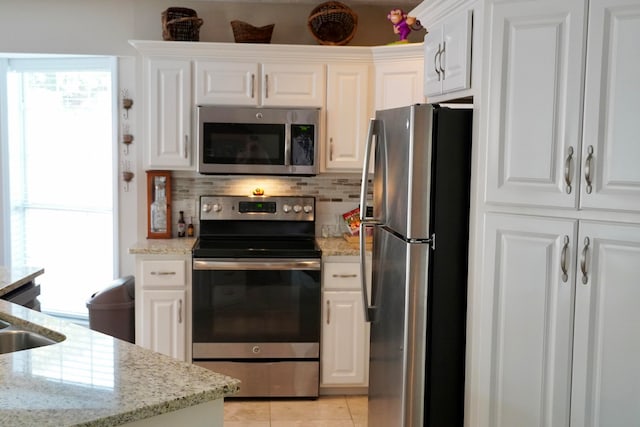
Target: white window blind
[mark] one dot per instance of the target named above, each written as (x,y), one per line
(61,175)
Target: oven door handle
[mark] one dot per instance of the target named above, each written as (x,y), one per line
(255,264)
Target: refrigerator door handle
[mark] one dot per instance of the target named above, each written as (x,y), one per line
(374,127)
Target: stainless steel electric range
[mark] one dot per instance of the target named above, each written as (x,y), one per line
(257,295)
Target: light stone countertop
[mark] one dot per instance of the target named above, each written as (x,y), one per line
(331,246)
(92,379)
(13,278)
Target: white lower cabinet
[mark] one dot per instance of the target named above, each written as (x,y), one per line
(560,330)
(344,359)
(162,301)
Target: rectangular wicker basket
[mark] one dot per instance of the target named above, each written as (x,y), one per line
(247,33)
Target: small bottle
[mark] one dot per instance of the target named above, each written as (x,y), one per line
(190,230)
(182,226)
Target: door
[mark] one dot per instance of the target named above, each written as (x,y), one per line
(293,85)
(398,331)
(528,324)
(164,322)
(226,83)
(535,73)
(343,339)
(610,149)
(169,113)
(606,380)
(401,181)
(347,115)
(456,58)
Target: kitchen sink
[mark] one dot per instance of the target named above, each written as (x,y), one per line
(15,340)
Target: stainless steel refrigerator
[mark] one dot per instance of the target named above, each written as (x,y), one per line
(417,305)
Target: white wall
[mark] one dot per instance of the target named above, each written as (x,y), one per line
(103,27)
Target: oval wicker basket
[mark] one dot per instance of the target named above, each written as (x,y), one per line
(181,24)
(247,33)
(333,23)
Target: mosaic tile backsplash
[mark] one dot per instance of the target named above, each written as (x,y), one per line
(334,193)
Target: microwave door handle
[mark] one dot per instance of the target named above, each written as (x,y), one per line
(287,145)
(374,128)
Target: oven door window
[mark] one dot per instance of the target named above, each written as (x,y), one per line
(256,306)
(232,143)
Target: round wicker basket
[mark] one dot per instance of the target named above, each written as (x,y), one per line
(333,23)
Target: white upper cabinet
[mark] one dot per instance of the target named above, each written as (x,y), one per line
(398,75)
(534,74)
(447,59)
(542,150)
(168,108)
(347,116)
(223,82)
(610,175)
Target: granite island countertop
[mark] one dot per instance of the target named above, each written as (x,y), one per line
(92,379)
(331,246)
(13,278)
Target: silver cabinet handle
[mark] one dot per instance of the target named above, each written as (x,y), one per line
(186,146)
(253,85)
(330,149)
(180,311)
(567,169)
(587,169)
(583,261)
(163,273)
(328,312)
(444,45)
(344,276)
(266,85)
(564,259)
(435,62)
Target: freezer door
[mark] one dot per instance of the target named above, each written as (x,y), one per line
(398,331)
(402,172)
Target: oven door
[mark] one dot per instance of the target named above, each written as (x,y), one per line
(256,308)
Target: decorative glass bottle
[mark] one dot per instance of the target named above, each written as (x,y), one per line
(159,206)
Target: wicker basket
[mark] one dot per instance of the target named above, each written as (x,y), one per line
(247,33)
(333,23)
(181,24)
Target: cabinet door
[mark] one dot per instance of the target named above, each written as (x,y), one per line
(226,83)
(526,330)
(432,50)
(456,56)
(611,148)
(606,378)
(169,113)
(344,339)
(399,83)
(347,114)
(534,77)
(293,85)
(164,322)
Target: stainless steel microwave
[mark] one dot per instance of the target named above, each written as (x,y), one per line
(258,141)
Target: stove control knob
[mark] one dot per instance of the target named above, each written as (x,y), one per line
(206,207)
(297,208)
(217,207)
(286,208)
(307,208)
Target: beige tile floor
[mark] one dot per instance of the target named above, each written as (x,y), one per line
(326,411)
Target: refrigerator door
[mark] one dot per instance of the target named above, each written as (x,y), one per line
(399,293)
(402,181)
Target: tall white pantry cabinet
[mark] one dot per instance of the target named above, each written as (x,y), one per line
(554,316)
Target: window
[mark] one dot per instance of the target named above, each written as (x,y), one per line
(59,176)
